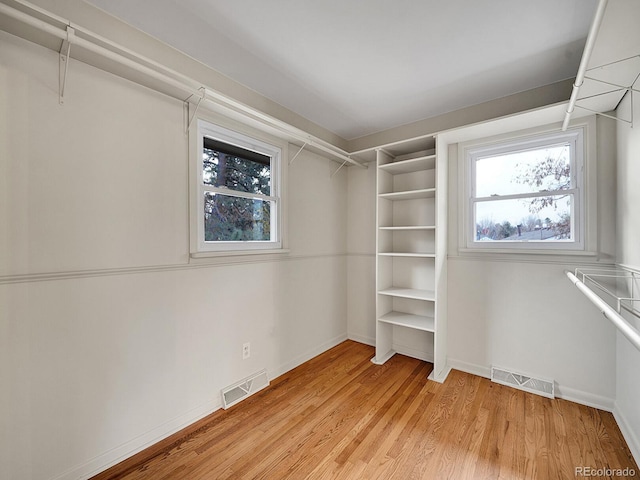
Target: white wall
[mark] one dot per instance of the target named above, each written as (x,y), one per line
(527,317)
(522,313)
(518,313)
(628,234)
(109,338)
(361,245)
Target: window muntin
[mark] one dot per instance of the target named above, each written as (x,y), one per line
(238,191)
(527,194)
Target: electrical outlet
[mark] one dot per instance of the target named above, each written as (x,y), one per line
(246,350)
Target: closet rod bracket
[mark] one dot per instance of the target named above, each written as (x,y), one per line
(339,168)
(203,92)
(298,153)
(63,62)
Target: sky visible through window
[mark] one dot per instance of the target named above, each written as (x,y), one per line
(525,172)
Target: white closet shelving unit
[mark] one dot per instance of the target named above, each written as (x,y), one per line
(410,250)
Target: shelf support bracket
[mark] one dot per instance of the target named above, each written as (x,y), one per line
(611,84)
(299,152)
(63,62)
(602,114)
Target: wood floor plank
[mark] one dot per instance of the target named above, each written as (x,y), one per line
(488,465)
(339,416)
(615,443)
(343,422)
(560,451)
(444,459)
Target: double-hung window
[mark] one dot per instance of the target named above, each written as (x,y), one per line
(238,193)
(527,193)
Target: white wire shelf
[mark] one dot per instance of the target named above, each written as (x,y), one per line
(613,290)
(620,285)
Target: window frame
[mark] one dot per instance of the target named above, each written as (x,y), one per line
(248,141)
(580,150)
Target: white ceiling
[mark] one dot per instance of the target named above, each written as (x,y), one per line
(357,67)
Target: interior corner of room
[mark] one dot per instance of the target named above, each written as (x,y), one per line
(116,331)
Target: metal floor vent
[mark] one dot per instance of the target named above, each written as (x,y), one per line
(523,382)
(244,388)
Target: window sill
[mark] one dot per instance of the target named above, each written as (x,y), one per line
(238,253)
(524,251)
(555,257)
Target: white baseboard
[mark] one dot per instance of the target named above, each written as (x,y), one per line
(130,448)
(627,432)
(471,368)
(395,348)
(402,350)
(442,377)
(308,355)
(584,398)
(566,393)
(362,339)
(413,352)
(383,360)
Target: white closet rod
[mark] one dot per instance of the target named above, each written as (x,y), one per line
(171,78)
(586,55)
(621,324)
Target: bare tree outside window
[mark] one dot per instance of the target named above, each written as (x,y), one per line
(525,191)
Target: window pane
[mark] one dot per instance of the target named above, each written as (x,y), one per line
(530,219)
(236,219)
(537,170)
(235,168)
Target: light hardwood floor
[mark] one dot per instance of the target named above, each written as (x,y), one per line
(338,416)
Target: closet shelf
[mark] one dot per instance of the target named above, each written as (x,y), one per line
(410,227)
(407,254)
(413,293)
(409,194)
(411,165)
(418,322)
(50,30)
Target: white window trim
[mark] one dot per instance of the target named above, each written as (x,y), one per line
(585,214)
(240,136)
